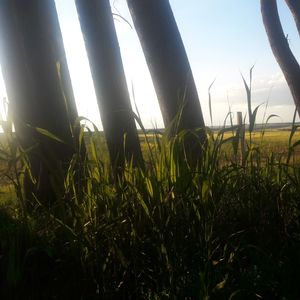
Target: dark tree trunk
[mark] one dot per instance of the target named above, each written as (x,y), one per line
(31,51)
(294,6)
(104,55)
(281,49)
(168,62)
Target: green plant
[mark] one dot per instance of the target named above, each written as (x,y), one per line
(222,229)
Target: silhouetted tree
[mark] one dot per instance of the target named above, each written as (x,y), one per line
(280,47)
(294,6)
(168,62)
(38,84)
(104,55)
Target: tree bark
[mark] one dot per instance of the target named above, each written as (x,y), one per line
(168,62)
(105,60)
(281,49)
(294,6)
(39,93)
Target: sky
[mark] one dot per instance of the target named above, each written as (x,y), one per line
(223,39)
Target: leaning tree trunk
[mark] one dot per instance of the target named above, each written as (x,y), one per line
(281,49)
(168,62)
(104,55)
(39,88)
(294,6)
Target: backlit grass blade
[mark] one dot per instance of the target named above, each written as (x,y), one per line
(48,134)
(248,93)
(253,118)
(209,101)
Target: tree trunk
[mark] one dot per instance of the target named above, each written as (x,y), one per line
(281,49)
(104,55)
(39,93)
(294,6)
(168,62)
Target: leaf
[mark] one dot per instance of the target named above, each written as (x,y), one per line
(248,92)
(196,210)
(205,190)
(230,139)
(251,71)
(230,113)
(93,149)
(149,186)
(296,144)
(80,119)
(48,134)
(120,256)
(252,118)
(81,137)
(270,117)
(235,143)
(221,284)
(144,205)
(27,168)
(209,100)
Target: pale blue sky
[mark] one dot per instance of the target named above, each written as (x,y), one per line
(222,39)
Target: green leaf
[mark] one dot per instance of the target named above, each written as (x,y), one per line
(252,118)
(221,284)
(205,190)
(296,144)
(144,205)
(270,117)
(248,92)
(230,139)
(149,186)
(48,134)
(209,100)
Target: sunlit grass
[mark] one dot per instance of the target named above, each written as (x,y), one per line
(221,229)
(224,227)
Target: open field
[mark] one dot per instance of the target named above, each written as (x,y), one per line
(274,140)
(228,231)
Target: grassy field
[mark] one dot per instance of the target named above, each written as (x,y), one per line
(274,141)
(270,141)
(224,229)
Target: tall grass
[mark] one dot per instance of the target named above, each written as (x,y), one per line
(219,230)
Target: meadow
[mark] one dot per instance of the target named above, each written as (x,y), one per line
(228,229)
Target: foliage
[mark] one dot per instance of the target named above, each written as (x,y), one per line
(171,231)
(226,228)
